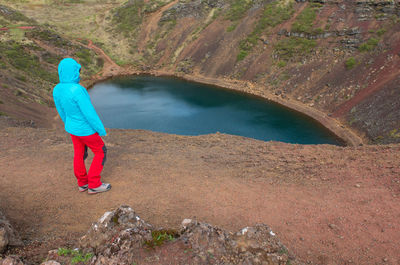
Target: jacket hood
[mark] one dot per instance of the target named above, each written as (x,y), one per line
(69,71)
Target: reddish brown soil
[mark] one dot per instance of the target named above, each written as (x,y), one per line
(383,74)
(328,204)
(111,69)
(151,24)
(22,27)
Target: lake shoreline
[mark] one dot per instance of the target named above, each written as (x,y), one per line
(111,69)
(177,106)
(332,124)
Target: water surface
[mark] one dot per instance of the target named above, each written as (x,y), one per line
(176,106)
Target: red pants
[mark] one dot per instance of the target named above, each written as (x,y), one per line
(96,144)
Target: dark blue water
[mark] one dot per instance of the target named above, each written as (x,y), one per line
(176,106)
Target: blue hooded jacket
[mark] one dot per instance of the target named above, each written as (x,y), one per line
(73,102)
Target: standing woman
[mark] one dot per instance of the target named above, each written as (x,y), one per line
(82,122)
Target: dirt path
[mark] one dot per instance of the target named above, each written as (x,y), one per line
(109,66)
(328,204)
(151,25)
(21,27)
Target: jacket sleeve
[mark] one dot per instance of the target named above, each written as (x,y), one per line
(87,109)
(59,108)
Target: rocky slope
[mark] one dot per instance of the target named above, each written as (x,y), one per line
(341,57)
(29,57)
(122,237)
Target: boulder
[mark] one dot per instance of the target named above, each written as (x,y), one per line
(8,236)
(251,245)
(116,231)
(11,260)
(122,237)
(51,262)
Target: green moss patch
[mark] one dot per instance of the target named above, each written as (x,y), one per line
(128,16)
(238,9)
(293,48)
(76,256)
(274,14)
(159,237)
(369,45)
(49,37)
(350,63)
(19,57)
(305,20)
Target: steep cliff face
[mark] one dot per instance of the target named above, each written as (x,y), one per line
(341,57)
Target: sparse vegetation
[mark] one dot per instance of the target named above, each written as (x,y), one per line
(21,77)
(160,236)
(281,64)
(274,14)
(49,36)
(86,58)
(293,47)
(238,9)
(350,63)
(75,255)
(154,5)
(304,21)
(51,58)
(242,54)
(67,1)
(231,27)
(380,32)
(394,133)
(369,45)
(3,65)
(14,15)
(22,60)
(128,16)
(18,93)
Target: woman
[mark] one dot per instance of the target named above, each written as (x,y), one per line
(82,122)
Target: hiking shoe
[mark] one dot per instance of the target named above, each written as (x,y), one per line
(83,188)
(102,188)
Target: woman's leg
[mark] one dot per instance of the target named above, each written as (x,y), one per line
(96,144)
(79,164)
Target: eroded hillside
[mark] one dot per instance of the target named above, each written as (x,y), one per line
(340,57)
(29,57)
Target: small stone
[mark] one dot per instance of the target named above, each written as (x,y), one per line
(50,262)
(11,261)
(357,186)
(332,226)
(385,259)
(186,222)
